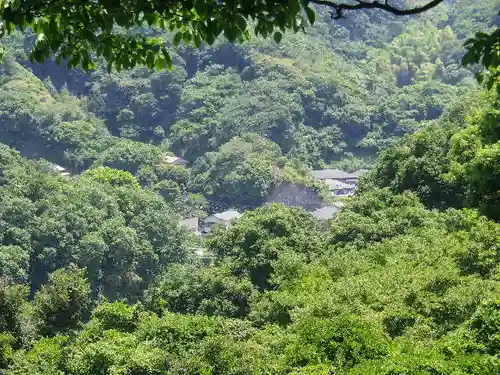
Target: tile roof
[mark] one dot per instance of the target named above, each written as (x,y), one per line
(174,160)
(323,174)
(227,215)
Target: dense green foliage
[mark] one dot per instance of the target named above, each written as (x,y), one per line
(117,33)
(450,163)
(390,287)
(103,221)
(334,95)
(245,170)
(132,33)
(97,277)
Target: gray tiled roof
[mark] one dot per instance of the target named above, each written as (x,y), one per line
(227,215)
(323,174)
(174,160)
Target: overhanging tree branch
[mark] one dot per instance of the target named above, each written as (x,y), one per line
(385,6)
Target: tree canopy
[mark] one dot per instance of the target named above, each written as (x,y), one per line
(99,275)
(388,287)
(81,33)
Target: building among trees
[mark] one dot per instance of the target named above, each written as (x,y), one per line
(221,219)
(176,160)
(340,183)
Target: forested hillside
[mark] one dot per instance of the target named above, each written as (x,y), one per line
(336,94)
(98,277)
(390,287)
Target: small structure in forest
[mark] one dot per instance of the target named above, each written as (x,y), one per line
(60,170)
(340,188)
(221,219)
(340,183)
(331,174)
(192,224)
(176,160)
